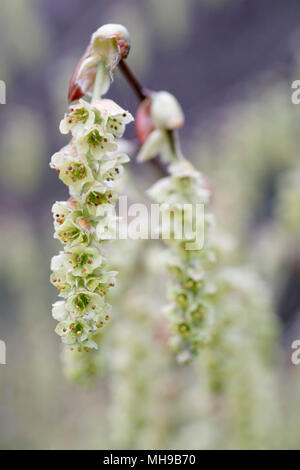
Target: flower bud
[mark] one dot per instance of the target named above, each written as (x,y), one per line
(113,33)
(143,120)
(152,146)
(110,43)
(166,111)
(84,224)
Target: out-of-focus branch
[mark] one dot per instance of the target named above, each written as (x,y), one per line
(141,92)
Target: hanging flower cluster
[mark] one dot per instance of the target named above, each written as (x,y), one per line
(191,312)
(90,165)
(185,226)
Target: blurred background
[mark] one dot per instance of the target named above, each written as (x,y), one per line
(231,64)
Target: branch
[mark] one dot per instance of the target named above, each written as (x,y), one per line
(140,92)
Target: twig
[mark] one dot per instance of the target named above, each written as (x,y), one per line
(140,92)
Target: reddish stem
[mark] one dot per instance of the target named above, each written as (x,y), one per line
(140,92)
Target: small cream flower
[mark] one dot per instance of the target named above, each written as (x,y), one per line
(79,116)
(73,171)
(166,115)
(101,281)
(99,197)
(59,311)
(111,167)
(153,145)
(62,280)
(166,112)
(85,302)
(96,141)
(76,333)
(72,232)
(82,261)
(61,211)
(115,117)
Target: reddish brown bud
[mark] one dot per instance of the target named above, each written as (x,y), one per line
(143,120)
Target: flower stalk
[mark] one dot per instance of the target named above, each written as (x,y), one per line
(97,91)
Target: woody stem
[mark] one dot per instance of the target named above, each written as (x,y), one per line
(140,92)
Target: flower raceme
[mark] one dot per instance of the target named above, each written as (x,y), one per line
(191,292)
(190,258)
(90,166)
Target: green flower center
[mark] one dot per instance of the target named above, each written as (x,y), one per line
(81,301)
(95,139)
(69,234)
(190,284)
(96,198)
(76,171)
(198,315)
(181,299)
(183,328)
(79,115)
(76,327)
(114,124)
(82,259)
